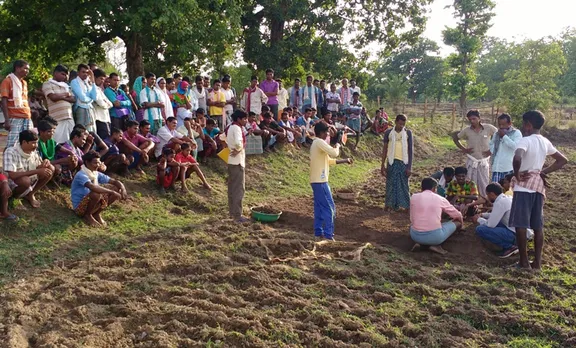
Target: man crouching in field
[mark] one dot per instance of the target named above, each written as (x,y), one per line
(89,199)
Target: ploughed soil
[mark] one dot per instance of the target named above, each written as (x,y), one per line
(218,284)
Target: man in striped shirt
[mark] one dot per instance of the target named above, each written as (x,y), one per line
(60,100)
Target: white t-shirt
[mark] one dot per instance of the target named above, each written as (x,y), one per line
(165,135)
(229,94)
(537,148)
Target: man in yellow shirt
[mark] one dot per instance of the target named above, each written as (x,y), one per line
(216,102)
(321,157)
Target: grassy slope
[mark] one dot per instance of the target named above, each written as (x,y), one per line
(184,251)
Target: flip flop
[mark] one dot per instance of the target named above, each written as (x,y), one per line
(11,218)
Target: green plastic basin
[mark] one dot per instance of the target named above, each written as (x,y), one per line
(264,217)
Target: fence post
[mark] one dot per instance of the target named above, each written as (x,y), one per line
(404,107)
(453,115)
(378,102)
(425,108)
(493,115)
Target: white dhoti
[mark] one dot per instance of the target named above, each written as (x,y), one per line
(479,172)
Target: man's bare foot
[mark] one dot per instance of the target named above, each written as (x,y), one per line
(90,221)
(185,189)
(99,219)
(32,200)
(207,187)
(438,249)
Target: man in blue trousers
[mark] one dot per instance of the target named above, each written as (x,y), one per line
(321,157)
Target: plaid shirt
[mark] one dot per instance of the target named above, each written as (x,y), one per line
(14,162)
(534,182)
(468,189)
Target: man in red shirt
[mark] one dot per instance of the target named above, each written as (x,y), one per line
(5,194)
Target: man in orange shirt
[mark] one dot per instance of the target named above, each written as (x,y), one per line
(14,92)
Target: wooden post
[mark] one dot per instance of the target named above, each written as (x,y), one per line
(404,107)
(453,115)
(378,102)
(493,115)
(425,108)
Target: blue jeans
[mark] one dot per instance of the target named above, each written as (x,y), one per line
(499,235)
(324,210)
(435,237)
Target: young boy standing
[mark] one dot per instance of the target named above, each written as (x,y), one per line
(321,157)
(530,183)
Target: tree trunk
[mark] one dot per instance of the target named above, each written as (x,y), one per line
(276,30)
(134,59)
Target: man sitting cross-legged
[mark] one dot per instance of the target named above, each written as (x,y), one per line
(89,196)
(426,208)
(188,165)
(27,173)
(167,170)
(462,192)
(136,145)
(494,227)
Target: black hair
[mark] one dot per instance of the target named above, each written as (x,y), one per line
(184,146)
(61,68)
(76,132)
(238,114)
(283,113)
(167,151)
(83,66)
(320,128)
(509,177)
(269,70)
(355,93)
(473,112)
(90,156)
(115,130)
(18,64)
(267,114)
(460,170)
(149,75)
(91,64)
(494,188)
(143,123)
(505,117)
(535,118)
(297,79)
(316,80)
(131,123)
(169,80)
(27,135)
(44,126)
(265,108)
(50,120)
(227,76)
(322,81)
(216,81)
(186,78)
(206,78)
(198,78)
(176,75)
(401,117)
(251,113)
(288,108)
(210,122)
(170,119)
(309,77)
(307,109)
(326,112)
(113,75)
(99,73)
(448,171)
(254,77)
(428,184)
(200,111)
(226,79)
(187,119)
(80,127)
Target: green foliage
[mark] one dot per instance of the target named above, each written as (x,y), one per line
(568,80)
(497,57)
(473,21)
(532,84)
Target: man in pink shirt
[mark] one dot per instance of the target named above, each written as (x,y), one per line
(426,208)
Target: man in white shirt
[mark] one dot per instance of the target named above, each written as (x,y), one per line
(230,95)
(200,93)
(333,99)
(152,101)
(495,227)
(84,89)
(345,95)
(101,106)
(253,98)
(60,99)
(282,96)
(169,137)
(236,141)
(354,88)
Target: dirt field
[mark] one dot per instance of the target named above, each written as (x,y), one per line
(215,284)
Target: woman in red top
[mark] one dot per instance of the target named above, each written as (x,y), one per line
(5,194)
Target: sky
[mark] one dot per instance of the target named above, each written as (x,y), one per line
(515,19)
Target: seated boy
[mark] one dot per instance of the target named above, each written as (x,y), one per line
(5,194)
(144,128)
(187,165)
(89,196)
(461,192)
(444,178)
(505,182)
(167,170)
(210,144)
(47,147)
(115,161)
(306,124)
(292,133)
(72,147)
(256,137)
(278,133)
(27,172)
(136,145)
(92,141)
(426,209)
(380,124)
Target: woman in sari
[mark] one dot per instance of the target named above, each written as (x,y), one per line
(161,85)
(181,102)
(397,164)
(137,87)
